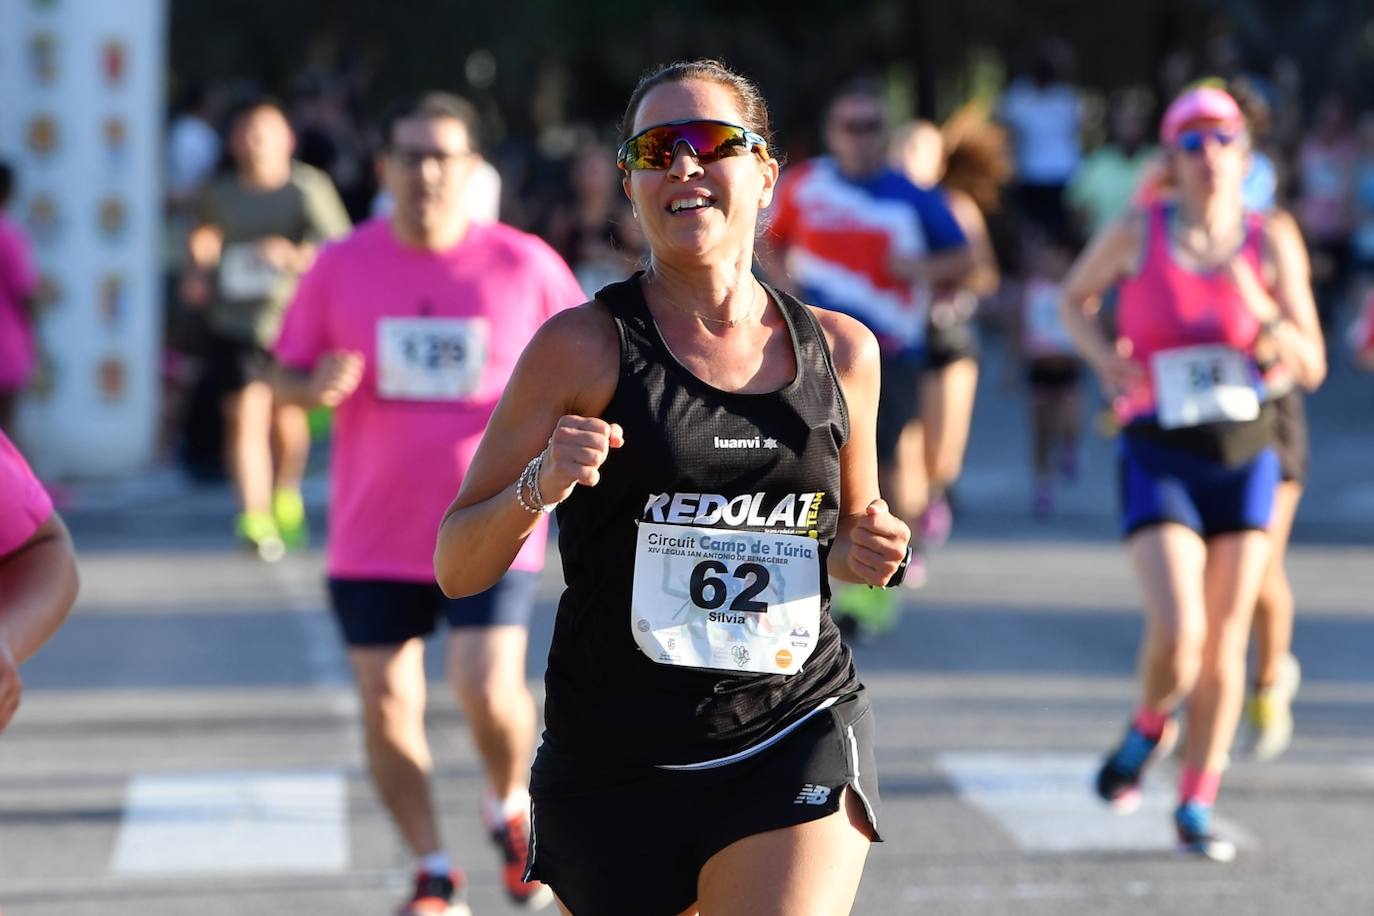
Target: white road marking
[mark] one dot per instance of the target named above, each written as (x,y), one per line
(232,823)
(1026,890)
(1046,803)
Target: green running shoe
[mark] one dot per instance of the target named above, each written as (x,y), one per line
(864,611)
(288,511)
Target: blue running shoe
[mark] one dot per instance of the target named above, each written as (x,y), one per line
(1118,781)
(1193,820)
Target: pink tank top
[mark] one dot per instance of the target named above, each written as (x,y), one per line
(1165,306)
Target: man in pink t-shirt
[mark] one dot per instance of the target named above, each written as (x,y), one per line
(18,283)
(37,572)
(412,326)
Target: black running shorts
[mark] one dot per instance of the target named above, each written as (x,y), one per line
(233,364)
(634,843)
(898,401)
(1292,439)
(376,612)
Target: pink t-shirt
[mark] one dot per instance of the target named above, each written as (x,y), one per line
(24,504)
(440,333)
(18,280)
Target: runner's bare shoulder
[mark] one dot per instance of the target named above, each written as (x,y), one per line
(851,343)
(575,358)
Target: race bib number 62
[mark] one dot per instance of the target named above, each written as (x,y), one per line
(725,599)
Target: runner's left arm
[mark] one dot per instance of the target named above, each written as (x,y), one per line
(870,542)
(1292,325)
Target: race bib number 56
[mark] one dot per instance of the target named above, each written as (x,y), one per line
(1204,384)
(725,599)
(430,359)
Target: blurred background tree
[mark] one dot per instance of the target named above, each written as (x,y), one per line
(538,64)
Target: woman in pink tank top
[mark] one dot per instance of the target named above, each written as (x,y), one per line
(1207,293)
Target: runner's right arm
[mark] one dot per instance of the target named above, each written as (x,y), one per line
(1110,256)
(38,584)
(553,402)
(310,370)
(984,278)
(336,375)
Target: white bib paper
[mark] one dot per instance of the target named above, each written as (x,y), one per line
(430,359)
(1045,331)
(1203,384)
(244,275)
(726,599)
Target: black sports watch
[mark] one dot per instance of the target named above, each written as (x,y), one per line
(900,574)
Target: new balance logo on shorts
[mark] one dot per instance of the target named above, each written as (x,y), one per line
(812,795)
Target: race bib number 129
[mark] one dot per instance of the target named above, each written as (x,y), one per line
(430,359)
(725,599)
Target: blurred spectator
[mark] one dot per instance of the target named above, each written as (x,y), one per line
(1260,190)
(193,145)
(1362,334)
(329,137)
(1326,185)
(190,418)
(258,230)
(1362,241)
(594,231)
(1043,113)
(1042,348)
(1101,190)
(18,283)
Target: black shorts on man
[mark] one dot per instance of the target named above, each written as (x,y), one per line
(376,612)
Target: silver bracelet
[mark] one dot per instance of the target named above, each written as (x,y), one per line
(534,484)
(529,480)
(520,485)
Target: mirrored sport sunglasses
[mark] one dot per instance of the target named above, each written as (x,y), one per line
(707,140)
(1194,141)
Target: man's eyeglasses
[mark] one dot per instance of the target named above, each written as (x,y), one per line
(1195,141)
(708,141)
(414,157)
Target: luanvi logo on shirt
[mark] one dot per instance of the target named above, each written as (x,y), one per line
(751,442)
(791,510)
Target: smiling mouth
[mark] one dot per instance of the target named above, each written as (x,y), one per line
(687,204)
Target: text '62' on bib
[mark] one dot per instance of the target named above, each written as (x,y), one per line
(430,359)
(244,275)
(1203,384)
(726,599)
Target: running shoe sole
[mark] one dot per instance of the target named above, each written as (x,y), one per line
(1213,849)
(457,908)
(270,550)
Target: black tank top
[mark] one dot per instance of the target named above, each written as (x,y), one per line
(684,440)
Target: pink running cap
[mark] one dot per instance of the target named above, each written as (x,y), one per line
(1205,103)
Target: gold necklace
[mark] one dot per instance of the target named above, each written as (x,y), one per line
(728,322)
